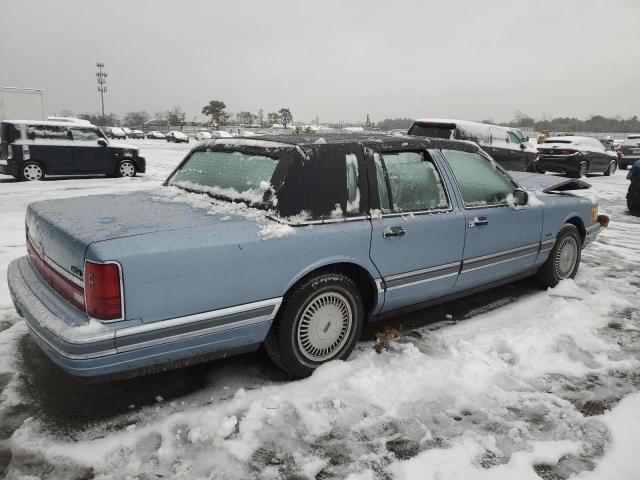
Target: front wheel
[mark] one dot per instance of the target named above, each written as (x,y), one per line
(564,258)
(320,320)
(31,171)
(126,168)
(613,166)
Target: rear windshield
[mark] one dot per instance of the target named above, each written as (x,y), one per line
(431,130)
(632,140)
(232,176)
(9,132)
(551,140)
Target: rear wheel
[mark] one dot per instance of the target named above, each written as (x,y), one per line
(320,320)
(31,171)
(564,258)
(126,168)
(613,166)
(582,171)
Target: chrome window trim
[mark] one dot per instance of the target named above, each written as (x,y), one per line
(428,158)
(482,153)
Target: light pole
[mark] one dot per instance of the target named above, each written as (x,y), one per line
(101,77)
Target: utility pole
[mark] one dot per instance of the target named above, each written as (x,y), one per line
(101,77)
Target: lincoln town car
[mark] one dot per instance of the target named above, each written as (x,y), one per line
(291,243)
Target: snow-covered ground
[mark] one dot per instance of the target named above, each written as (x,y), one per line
(515,383)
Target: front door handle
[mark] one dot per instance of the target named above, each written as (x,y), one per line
(391,232)
(479,222)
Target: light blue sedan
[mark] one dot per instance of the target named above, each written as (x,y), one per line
(288,242)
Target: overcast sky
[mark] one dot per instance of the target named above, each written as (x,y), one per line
(335,59)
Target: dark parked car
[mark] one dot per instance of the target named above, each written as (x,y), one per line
(285,242)
(507,146)
(633,194)
(33,149)
(629,151)
(115,133)
(575,156)
(176,137)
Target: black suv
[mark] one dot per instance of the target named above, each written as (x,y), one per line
(33,149)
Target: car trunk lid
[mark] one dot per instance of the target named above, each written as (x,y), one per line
(548,183)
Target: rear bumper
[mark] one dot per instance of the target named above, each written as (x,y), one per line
(130,347)
(10,169)
(628,159)
(141,163)
(558,164)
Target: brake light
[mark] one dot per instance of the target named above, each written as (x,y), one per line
(103,290)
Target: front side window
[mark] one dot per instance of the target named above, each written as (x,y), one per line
(480,181)
(84,134)
(233,176)
(413,183)
(513,138)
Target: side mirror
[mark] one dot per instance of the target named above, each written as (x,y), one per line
(102,142)
(523,146)
(520,197)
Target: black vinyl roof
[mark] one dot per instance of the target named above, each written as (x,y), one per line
(386,142)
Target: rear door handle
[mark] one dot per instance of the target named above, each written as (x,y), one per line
(391,232)
(479,222)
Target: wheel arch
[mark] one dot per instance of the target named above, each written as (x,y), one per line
(576,221)
(359,273)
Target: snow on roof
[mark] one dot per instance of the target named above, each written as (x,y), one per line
(53,123)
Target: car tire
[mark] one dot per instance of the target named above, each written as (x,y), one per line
(623,166)
(126,168)
(31,171)
(564,258)
(613,166)
(320,320)
(582,171)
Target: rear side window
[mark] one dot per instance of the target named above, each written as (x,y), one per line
(228,175)
(47,132)
(83,134)
(413,183)
(431,130)
(9,132)
(480,181)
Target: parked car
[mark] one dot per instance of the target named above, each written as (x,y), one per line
(136,134)
(633,194)
(575,156)
(32,150)
(155,135)
(220,134)
(127,131)
(115,132)
(176,137)
(629,151)
(287,242)
(203,135)
(507,146)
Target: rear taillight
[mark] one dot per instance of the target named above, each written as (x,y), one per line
(103,290)
(66,288)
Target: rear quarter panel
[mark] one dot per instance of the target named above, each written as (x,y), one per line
(181,272)
(559,209)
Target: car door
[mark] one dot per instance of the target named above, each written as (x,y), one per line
(501,241)
(89,155)
(51,147)
(600,158)
(417,231)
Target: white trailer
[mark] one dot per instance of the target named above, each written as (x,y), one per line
(22,104)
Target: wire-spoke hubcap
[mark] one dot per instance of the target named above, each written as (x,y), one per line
(32,172)
(127,169)
(566,257)
(324,327)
